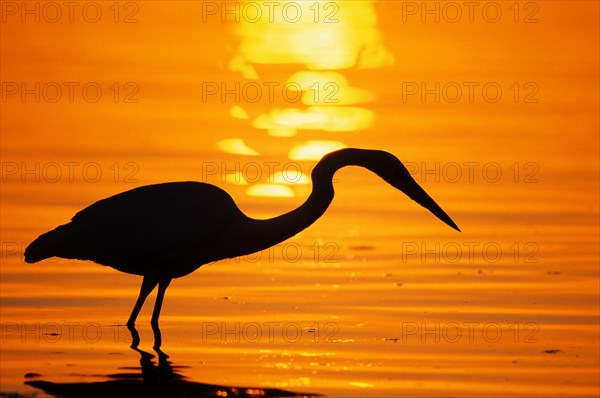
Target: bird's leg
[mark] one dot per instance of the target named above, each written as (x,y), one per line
(148,284)
(163,284)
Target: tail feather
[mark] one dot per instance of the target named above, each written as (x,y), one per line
(49,244)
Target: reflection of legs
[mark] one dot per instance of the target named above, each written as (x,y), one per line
(162,286)
(148,284)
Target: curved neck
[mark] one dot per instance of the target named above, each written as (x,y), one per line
(269,232)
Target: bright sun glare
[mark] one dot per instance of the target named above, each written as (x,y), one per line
(328,38)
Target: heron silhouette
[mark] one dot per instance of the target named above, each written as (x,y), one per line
(169,230)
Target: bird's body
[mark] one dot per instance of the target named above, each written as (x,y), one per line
(176,223)
(166,231)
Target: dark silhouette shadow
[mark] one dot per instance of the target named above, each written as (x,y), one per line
(154,379)
(169,230)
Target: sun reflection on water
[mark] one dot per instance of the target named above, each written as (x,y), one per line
(314,150)
(324,38)
(236,146)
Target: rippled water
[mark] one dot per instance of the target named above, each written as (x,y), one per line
(377,298)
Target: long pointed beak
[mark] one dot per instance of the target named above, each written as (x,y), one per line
(418,194)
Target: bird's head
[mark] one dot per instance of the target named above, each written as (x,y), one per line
(391,169)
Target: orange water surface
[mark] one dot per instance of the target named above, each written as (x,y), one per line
(492,106)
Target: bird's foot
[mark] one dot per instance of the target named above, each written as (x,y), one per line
(157,335)
(135,336)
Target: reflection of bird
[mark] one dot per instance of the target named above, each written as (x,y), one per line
(166,231)
(152,380)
